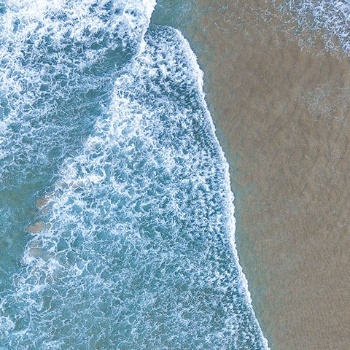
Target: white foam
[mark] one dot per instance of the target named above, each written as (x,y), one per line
(328,18)
(141,218)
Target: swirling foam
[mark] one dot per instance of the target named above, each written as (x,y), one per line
(330,18)
(136,252)
(134,248)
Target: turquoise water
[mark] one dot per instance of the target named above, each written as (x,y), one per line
(117,226)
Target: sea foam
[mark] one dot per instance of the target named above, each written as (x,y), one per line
(330,19)
(134,247)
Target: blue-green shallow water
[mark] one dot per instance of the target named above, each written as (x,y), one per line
(133,247)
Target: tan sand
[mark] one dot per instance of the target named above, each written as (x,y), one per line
(282,117)
(41,202)
(37,227)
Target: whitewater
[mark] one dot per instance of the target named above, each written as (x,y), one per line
(117,217)
(317,18)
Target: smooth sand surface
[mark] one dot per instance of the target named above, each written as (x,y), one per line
(282,116)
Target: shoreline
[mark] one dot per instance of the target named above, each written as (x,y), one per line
(285,137)
(280,117)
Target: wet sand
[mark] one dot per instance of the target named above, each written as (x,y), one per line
(282,116)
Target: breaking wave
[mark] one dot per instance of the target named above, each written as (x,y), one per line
(131,242)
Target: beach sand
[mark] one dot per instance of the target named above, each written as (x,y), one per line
(282,116)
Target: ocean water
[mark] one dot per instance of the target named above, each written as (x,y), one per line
(117,218)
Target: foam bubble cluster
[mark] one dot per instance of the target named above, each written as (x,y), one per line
(330,18)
